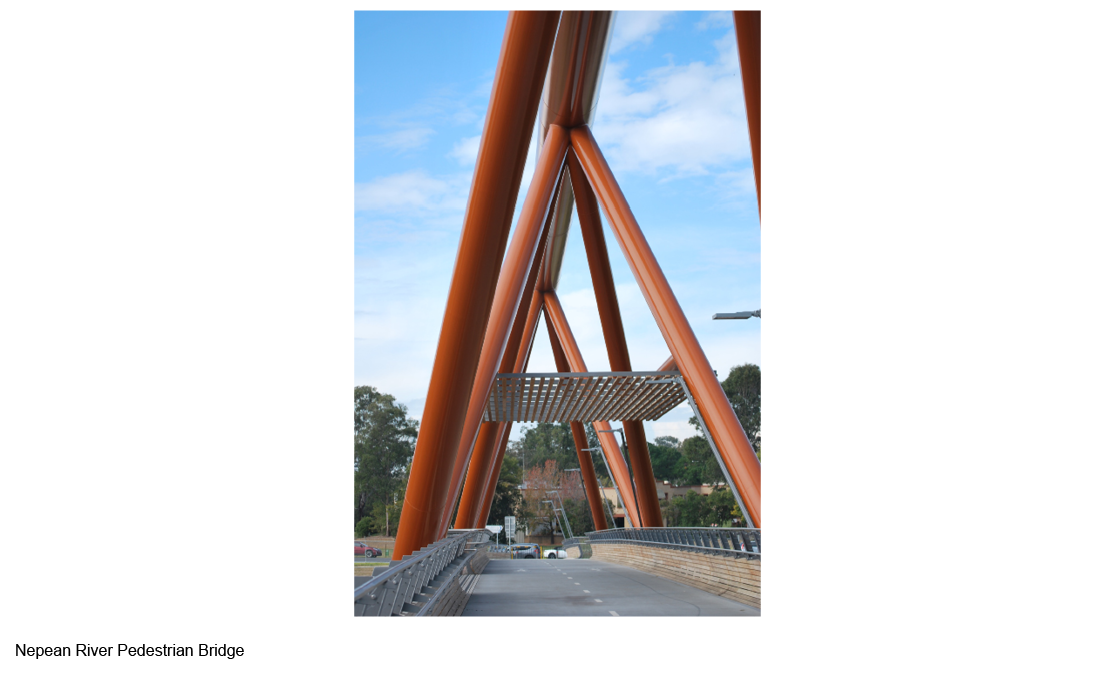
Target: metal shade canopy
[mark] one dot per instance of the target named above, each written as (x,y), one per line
(583,397)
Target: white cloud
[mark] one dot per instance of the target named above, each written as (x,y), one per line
(413,192)
(636,28)
(676,120)
(404,139)
(716,20)
(465,150)
(677,429)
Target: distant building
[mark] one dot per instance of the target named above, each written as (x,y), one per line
(665,492)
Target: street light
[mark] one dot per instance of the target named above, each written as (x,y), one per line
(562,504)
(577,469)
(741,315)
(555,508)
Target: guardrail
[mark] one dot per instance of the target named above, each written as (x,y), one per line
(742,542)
(404,587)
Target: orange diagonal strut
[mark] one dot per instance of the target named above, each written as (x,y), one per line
(615,341)
(612,454)
(580,442)
(512,109)
(739,457)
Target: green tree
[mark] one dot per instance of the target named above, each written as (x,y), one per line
(383,440)
(721,504)
(698,464)
(665,459)
(690,509)
(507,498)
(545,442)
(744,388)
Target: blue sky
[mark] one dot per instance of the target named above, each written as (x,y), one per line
(670,120)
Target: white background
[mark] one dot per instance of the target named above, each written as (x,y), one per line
(176,293)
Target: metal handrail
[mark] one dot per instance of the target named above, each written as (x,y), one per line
(742,542)
(387,593)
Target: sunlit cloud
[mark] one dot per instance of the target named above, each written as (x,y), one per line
(401,140)
(676,120)
(636,28)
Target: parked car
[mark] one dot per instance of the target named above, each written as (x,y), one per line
(526,550)
(556,553)
(361,549)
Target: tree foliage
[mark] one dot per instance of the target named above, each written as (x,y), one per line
(694,509)
(507,498)
(665,459)
(383,440)
(744,388)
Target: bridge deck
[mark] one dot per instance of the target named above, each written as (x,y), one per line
(584,587)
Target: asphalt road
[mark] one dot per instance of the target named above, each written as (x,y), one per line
(580,587)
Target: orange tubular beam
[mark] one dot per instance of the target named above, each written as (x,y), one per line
(480,464)
(580,443)
(512,109)
(747,40)
(512,281)
(520,364)
(669,365)
(739,457)
(555,317)
(608,305)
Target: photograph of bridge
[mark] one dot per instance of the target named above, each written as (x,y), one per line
(497,154)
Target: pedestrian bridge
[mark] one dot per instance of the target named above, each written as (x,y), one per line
(616,573)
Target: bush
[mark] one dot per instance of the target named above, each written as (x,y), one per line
(366,527)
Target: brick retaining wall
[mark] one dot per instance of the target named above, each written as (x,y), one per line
(734,578)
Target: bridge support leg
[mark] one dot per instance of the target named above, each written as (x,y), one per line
(614,339)
(485,442)
(522,255)
(742,464)
(520,74)
(493,470)
(487,457)
(580,443)
(557,321)
(747,41)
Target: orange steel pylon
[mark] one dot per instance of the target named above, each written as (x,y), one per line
(496,302)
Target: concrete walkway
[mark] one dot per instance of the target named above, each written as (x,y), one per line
(582,588)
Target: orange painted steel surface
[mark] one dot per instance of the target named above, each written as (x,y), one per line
(747,41)
(512,109)
(580,443)
(521,253)
(485,448)
(569,99)
(556,318)
(521,358)
(669,365)
(739,457)
(614,339)
(483,452)
(493,480)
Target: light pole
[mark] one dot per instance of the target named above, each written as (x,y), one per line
(552,505)
(741,315)
(583,487)
(561,503)
(623,438)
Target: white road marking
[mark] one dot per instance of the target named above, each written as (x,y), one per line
(585,590)
(577,583)
(598,600)
(614,613)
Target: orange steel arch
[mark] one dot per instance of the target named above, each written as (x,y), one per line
(495,303)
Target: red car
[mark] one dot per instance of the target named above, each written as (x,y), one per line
(361,549)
